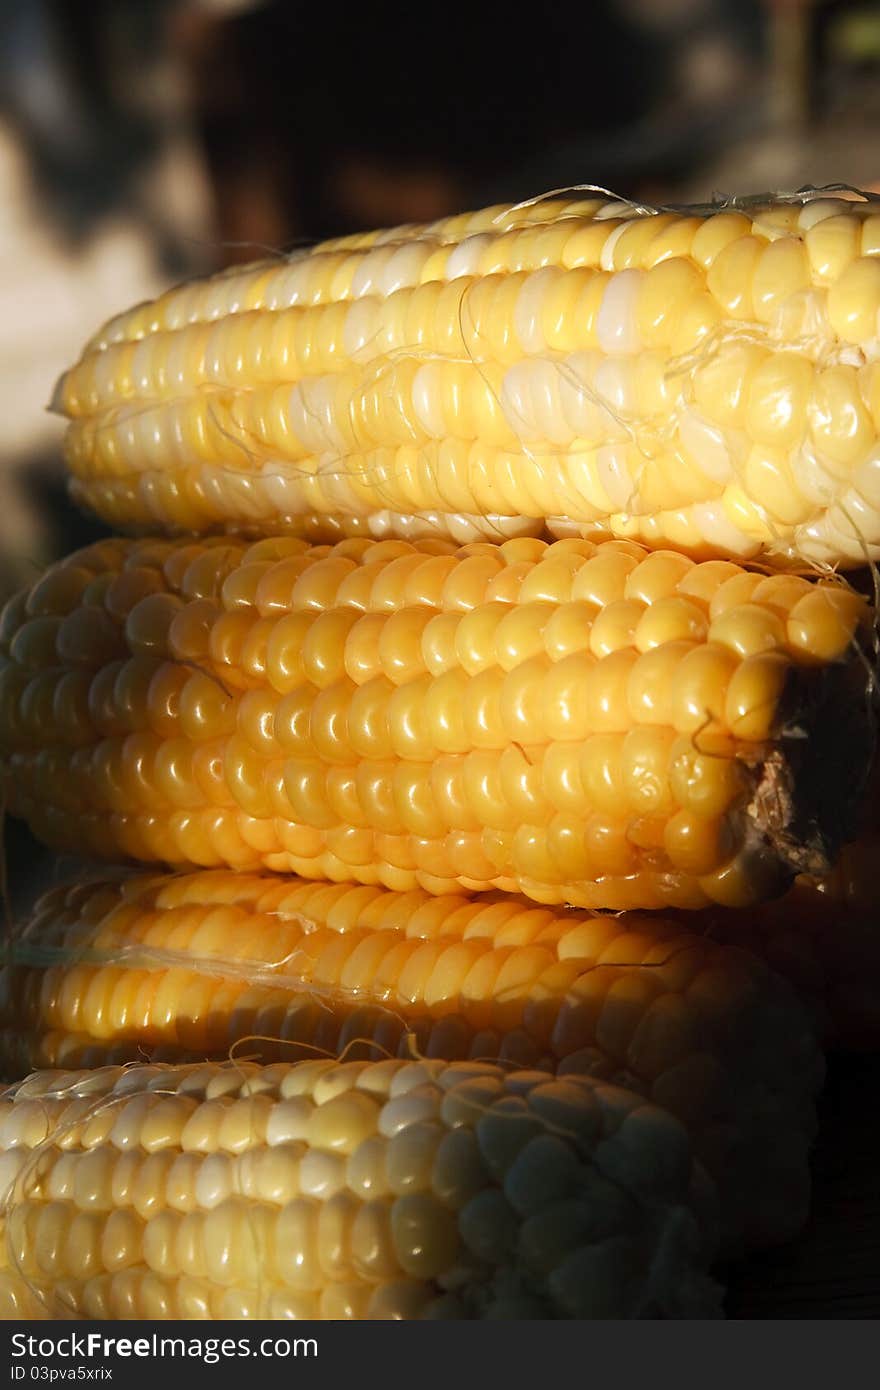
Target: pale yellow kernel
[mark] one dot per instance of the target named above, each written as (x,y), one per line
(731,276)
(605,689)
(840,425)
(366,1172)
(585,245)
(753,695)
(372,1244)
(150,1184)
(601,771)
(654,681)
(344,1122)
(82,1247)
(779,391)
(870,238)
(397,1300)
(722,382)
(733,591)
(782,271)
(704,580)
(201,1133)
(695,844)
(628,247)
(697,700)
(295,1245)
(519,634)
(344,1302)
(670,619)
(164,1122)
(781,592)
(703,783)
(657,576)
(700,318)
(832,245)
(770,485)
(321,1174)
(673,240)
(749,628)
(567,629)
(335,1221)
(717,232)
(410,1156)
(121,1240)
(560,324)
(854,301)
(823,623)
(615,625)
(602,580)
(645,769)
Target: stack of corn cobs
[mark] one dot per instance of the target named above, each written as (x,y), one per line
(480,687)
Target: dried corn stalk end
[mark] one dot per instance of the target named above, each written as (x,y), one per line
(362,1190)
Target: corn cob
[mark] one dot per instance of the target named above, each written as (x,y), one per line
(706,379)
(194,966)
(363,1190)
(585,724)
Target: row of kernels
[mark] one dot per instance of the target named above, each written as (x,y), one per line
(302,336)
(139,1293)
(501,239)
(512,861)
(323,648)
(141,692)
(212,837)
(302,1244)
(779,413)
(833,233)
(514,492)
(145,900)
(551,572)
(684,686)
(645,768)
(586,1280)
(645,771)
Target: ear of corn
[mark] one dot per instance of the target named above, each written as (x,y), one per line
(705,379)
(377,1190)
(586,724)
(216,963)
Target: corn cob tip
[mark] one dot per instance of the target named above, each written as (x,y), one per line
(810,789)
